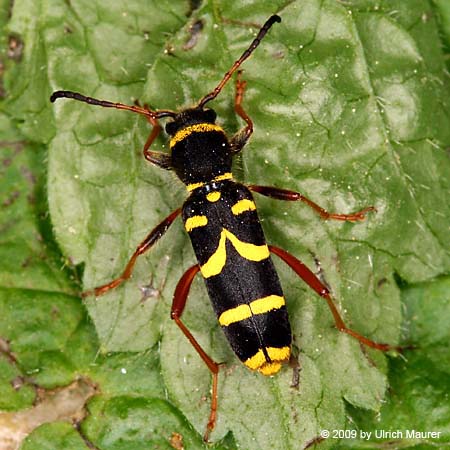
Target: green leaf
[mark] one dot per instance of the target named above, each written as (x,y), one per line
(46,339)
(443,17)
(24,261)
(420,385)
(350,105)
(55,435)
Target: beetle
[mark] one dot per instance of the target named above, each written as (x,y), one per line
(221,219)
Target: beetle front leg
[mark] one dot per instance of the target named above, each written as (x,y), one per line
(160,159)
(239,140)
(285,194)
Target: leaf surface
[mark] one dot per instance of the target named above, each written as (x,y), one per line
(340,115)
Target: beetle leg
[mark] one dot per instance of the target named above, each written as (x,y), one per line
(314,283)
(284,194)
(145,245)
(242,136)
(178,304)
(160,159)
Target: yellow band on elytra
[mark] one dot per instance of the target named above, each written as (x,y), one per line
(266,304)
(259,362)
(242,206)
(245,311)
(195,222)
(247,250)
(234,315)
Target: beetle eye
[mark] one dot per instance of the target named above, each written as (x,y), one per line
(171,128)
(210,115)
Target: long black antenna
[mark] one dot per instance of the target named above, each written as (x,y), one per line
(157,114)
(262,32)
(106,104)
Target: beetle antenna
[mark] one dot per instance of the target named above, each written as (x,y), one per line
(262,32)
(106,104)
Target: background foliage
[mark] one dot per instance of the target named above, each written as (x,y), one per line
(350,101)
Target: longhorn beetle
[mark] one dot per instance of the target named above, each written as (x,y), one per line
(221,220)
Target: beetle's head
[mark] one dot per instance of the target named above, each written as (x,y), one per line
(200,148)
(189,117)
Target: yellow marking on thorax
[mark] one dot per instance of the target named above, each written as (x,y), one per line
(223,177)
(213,196)
(245,311)
(196,128)
(242,206)
(277,355)
(191,187)
(247,250)
(195,222)
(226,176)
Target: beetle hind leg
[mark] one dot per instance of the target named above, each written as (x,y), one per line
(288,195)
(314,283)
(178,304)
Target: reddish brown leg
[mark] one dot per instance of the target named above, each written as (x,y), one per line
(242,136)
(284,194)
(153,135)
(160,159)
(314,283)
(145,245)
(178,304)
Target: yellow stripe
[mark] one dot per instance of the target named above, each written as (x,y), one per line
(242,206)
(193,186)
(233,315)
(259,306)
(277,355)
(256,361)
(213,196)
(247,250)
(225,176)
(216,261)
(266,304)
(196,128)
(195,222)
(270,368)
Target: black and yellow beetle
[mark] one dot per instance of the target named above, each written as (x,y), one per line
(221,220)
